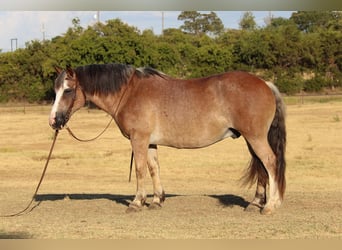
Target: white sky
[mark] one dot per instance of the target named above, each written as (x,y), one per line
(28,25)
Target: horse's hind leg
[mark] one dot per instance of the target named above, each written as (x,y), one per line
(264,152)
(153,165)
(259,200)
(257,170)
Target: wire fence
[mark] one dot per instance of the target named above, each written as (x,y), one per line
(289,100)
(314,98)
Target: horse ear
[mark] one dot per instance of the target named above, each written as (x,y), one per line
(58,69)
(70,72)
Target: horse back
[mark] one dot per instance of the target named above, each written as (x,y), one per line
(196,112)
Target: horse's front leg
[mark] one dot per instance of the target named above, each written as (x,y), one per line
(153,165)
(140,148)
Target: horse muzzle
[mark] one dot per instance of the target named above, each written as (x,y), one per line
(59,120)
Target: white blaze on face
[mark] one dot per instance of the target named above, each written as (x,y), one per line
(59,94)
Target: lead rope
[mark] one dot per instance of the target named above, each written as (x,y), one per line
(25,210)
(88,140)
(92,139)
(130,167)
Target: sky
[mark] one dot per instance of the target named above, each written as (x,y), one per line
(26,26)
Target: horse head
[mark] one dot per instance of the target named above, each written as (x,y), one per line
(69,97)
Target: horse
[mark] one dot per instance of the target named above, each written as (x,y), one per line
(151,108)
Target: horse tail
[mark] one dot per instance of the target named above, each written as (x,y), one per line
(277,141)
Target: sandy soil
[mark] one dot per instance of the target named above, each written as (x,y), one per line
(86,190)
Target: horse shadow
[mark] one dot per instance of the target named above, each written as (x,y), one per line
(228,200)
(14,235)
(119,199)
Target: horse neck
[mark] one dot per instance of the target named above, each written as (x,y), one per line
(109,103)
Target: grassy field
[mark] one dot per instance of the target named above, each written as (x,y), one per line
(86,189)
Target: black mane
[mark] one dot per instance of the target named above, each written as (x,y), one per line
(103,78)
(108,78)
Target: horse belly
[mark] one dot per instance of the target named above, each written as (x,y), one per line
(190,133)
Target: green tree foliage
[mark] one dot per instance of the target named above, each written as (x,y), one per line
(315,84)
(286,45)
(23,75)
(254,50)
(288,82)
(283,51)
(247,21)
(199,24)
(311,21)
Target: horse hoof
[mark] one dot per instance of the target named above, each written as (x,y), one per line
(253,208)
(154,206)
(266,211)
(133,209)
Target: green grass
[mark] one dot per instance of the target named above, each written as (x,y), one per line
(336,118)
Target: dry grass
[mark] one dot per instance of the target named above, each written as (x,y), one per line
(86,189)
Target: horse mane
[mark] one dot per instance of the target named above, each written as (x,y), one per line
(148,71)
(103,78)
(109,78)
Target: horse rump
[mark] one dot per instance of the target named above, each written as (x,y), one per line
(277,141)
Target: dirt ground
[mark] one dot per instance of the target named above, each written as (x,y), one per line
(86,191)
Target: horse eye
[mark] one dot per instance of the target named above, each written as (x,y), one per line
(68,91)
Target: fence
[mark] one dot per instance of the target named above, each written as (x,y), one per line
(307,99)
(289,100)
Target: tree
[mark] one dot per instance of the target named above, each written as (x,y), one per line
(311,21)
(191,23)
(279,22)
(212,24)
(199,24)
(247,21)
(281,51)
(332,55)
(253,50)
(286,45)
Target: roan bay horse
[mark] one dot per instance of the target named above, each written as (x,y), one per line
(151,108)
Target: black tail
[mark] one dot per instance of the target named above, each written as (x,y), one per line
(277,141)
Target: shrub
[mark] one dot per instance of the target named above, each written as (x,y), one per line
(314,84)
(289,84)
